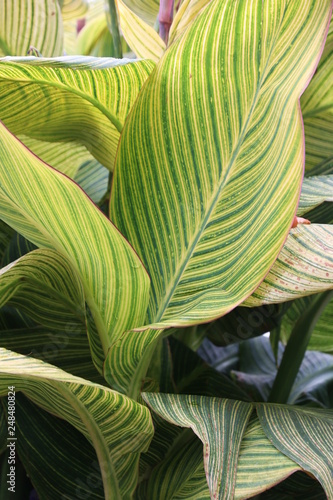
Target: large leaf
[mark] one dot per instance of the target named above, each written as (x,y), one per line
(206,209)
(36,23)
(304,267)
(53,212)
(317,108)
(93,179)
(72,9)
(185,16)
(117,427)
(42,442)
(304,435)
(219,423)
(80,99)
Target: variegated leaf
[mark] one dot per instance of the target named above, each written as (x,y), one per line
(55,213)
(304,267)
(80,99)
(27,23)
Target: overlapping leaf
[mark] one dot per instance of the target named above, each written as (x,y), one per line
(41,441)
(140,36)
(317,108)
(315,190)
(188,188)
(117,427)
(322,335)
(43,284)
(304,435)
(73,9)
(93,179)
(36,23)
(55,213)
(219,423)
(304,267)
(185,16)
(80,99)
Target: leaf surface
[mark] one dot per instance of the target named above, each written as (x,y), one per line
(80,99)
(55,213)
(188,187)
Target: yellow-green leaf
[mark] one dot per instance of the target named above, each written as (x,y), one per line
(210,161)
(53,212)
(81,99)
(117,427)
(25,23)
(304,267)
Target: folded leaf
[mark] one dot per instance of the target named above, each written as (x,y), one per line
(36,23)
(304,267)
(42,442)
(80,99)
(55,213)
(220,425)
(205,208)
(304,435)
(185,16)
(315,190)
(44,285)
(117,427)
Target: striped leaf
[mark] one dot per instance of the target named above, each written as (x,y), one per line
(185,16)
(220,425)
(65,157)
(208,236)
(67,349)
(73,9)
(36,23)
(304,267)
(6,234)
(304,435)
(146,9)
(44,286)
(55,213)
(93,179)
(140,36)
(315,190)
(322,335)
(317,108)
(117,427)
(298,484)
(42,442)
(80,99)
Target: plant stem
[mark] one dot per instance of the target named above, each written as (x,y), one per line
(296,348)
(114,30)
(165,17)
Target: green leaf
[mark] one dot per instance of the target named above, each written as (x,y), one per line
(304,435)
(55,213)
(93,179)
(214,421)
(304,267)
(43,284)
(145,9)
(42,443)
(65,157)
(117,427)
(188,186)
(81,99)
(315,190)
(317,108)
(322,335)
(36,23)
(6,234)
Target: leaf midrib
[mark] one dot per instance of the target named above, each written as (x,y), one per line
(115,122)
(216,196)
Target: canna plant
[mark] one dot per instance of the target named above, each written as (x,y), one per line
(151,233)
